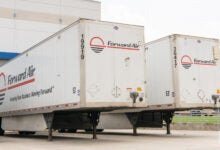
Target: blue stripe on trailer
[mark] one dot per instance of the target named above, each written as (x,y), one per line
(8,55)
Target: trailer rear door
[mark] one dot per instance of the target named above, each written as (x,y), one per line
(198,70)
(114,60)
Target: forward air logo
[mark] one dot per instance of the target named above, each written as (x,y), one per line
(186,61)
(14,81)
(2,87)
(97,44)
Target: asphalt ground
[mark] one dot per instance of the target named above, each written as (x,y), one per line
(115,140)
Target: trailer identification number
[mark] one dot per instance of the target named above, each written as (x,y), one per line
(82,46)
(175,56)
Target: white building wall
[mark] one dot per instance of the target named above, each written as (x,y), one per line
(24,23)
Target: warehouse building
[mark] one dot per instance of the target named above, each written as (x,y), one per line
(24,23)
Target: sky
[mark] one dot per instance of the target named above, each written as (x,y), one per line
(165,17)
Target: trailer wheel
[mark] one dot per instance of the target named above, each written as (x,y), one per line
(26,132)
(100,130)
(72,130)
(88,130)
(21,133)
(31,132)
(97,130)
(61,130)
(2,132)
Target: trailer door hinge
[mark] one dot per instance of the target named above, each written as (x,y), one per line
(215,52)
(82,46)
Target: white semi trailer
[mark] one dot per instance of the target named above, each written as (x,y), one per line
(66,80)
(182,74)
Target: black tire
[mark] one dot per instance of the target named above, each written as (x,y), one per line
(2,132)
(32,132)
(88,130)
(97,130)
(26,132)
(72,130)
(21,133)
(61,130)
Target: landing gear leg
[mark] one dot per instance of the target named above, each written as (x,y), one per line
(168,119)
(50,134)
(135,131)
(133,118)
(95,121)
(168,127)
(49,120)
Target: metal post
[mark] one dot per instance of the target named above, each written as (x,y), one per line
(134,131)
(95,121)
(134,118)
(49,120)
(50,135)
(94,135)
(168,127)
(168,119)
